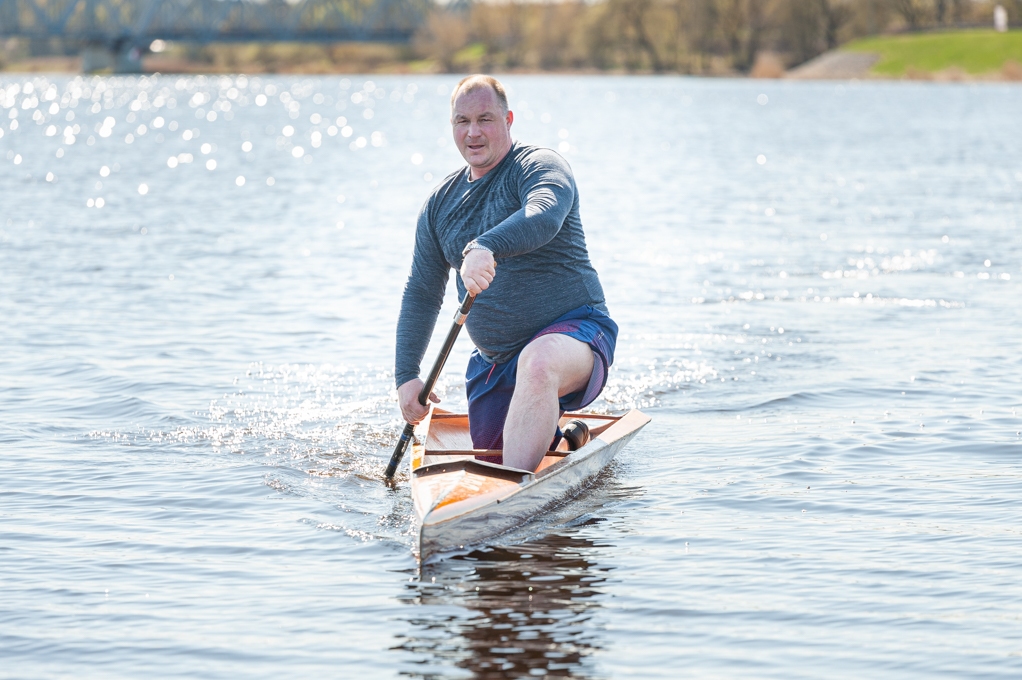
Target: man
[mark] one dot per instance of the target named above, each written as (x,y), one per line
(509,222)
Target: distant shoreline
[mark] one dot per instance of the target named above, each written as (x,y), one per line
(976,55)
(950,76)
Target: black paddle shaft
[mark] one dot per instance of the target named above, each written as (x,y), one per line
(434,374)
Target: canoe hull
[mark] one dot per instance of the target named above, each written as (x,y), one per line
(501,499)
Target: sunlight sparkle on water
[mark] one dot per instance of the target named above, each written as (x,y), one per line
(825,336)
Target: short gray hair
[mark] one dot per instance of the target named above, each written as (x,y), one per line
(474,82)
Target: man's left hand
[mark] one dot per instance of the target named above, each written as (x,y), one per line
(477,270)
(408,397)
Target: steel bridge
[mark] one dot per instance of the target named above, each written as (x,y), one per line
(116,33)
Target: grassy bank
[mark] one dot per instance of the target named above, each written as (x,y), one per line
(976,52)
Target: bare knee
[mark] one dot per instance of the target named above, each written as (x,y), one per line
(555,362)
(537,367)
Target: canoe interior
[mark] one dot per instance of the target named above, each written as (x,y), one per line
(448,480)
(448,438)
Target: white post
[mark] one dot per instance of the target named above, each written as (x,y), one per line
(1000,19)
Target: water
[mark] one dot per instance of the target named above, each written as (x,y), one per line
(817,286)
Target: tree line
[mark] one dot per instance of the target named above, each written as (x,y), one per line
(712,37)
(680,36)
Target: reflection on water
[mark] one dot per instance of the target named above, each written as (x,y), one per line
(524,607)
(529,610)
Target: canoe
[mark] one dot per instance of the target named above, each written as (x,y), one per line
(461,502)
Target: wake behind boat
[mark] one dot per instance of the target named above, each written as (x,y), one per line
(461,502)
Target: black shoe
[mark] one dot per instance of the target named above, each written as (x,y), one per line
(576,433)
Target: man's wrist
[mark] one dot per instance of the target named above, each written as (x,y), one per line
(474,245)
(402,382)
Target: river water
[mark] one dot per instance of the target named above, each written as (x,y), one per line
(817,286)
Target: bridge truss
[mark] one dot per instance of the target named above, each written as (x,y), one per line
(125,28)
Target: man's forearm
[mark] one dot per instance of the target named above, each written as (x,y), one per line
(531,227)
(414,329)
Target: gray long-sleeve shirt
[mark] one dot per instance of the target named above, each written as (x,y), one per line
(525,210)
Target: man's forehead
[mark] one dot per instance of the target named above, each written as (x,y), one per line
(477,95)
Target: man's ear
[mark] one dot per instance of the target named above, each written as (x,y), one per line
(510,118)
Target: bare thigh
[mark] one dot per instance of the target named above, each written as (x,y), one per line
(558,360)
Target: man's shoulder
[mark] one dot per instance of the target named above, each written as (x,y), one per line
(530,153)
(440,191)
(532,158)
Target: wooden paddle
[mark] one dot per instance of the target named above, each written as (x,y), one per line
(438,365)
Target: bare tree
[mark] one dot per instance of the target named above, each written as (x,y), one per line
(703,22)
(912,11)
(957,11)
(1014,8)
(443,36)
(732,22)
(503,28)
(803,29)
(756,28)
(556,33)
(641,33)
(836,15)
(637,15)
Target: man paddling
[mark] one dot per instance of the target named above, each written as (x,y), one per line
(509,222)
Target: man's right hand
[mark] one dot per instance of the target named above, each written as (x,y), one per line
(408,397)
(477,270)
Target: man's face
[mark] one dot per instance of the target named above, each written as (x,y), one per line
(481,130)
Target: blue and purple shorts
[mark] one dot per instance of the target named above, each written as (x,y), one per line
(489,386)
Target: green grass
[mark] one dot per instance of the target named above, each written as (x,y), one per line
(471,53)
(976,51)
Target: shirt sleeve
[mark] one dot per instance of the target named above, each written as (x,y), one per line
(547,193)
(420,304)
